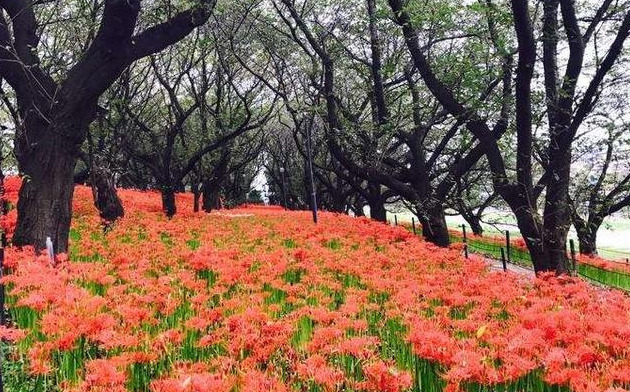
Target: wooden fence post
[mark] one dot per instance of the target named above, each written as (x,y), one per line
(465,241)
(508,245)
(503,260)
(413,225)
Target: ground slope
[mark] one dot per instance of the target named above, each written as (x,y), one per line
(262,299)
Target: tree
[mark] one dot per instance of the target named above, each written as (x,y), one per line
(102,180)
(472,196)
(544,233)
(231,173)
(364,140)
(420,159)
(601,182)
(56,110)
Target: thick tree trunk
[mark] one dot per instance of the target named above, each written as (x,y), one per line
(588,243)
(211,196)
(554,257)
(587,236)
(475,225)
(168,201)
(377,209)
(531,228)
(338,207)
(45,200)
(376,201)
(211,187)
(106,198)
(587,233)
(557,211)
(4,204)
(473,221)
(433,221)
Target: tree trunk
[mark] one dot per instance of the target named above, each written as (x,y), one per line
(211,187)
(588,243)
(168,201)
(475,225)
(4,203)
(338,201)
(557,212)
(104,191)
(357,208)
(531,228)
(2,191)
(587,232)
(555,257)
(433,220)
(473,220)
(377,209)
(376,201)
(587,236)
(196,189)
(45,200)
(210,196)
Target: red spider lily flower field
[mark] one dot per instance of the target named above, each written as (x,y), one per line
(259,299)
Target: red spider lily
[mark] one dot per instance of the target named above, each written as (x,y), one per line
(259,298)
(383,378)
(11,334)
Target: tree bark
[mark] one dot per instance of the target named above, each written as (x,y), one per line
(357,208)
(196,189)
(211,196)
(106,198)
(45,200)
(587,233)
(470,216)
(475,223)
(377,209)
(4,204)
(588,243)
(338,201)
(81,177)
(433,221)
(168,200)
(531,227)
(557,218)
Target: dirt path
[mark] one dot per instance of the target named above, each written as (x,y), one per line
(497,265)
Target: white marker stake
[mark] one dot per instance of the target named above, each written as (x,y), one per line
(51,250)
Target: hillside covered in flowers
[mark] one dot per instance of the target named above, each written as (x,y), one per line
(260,299)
